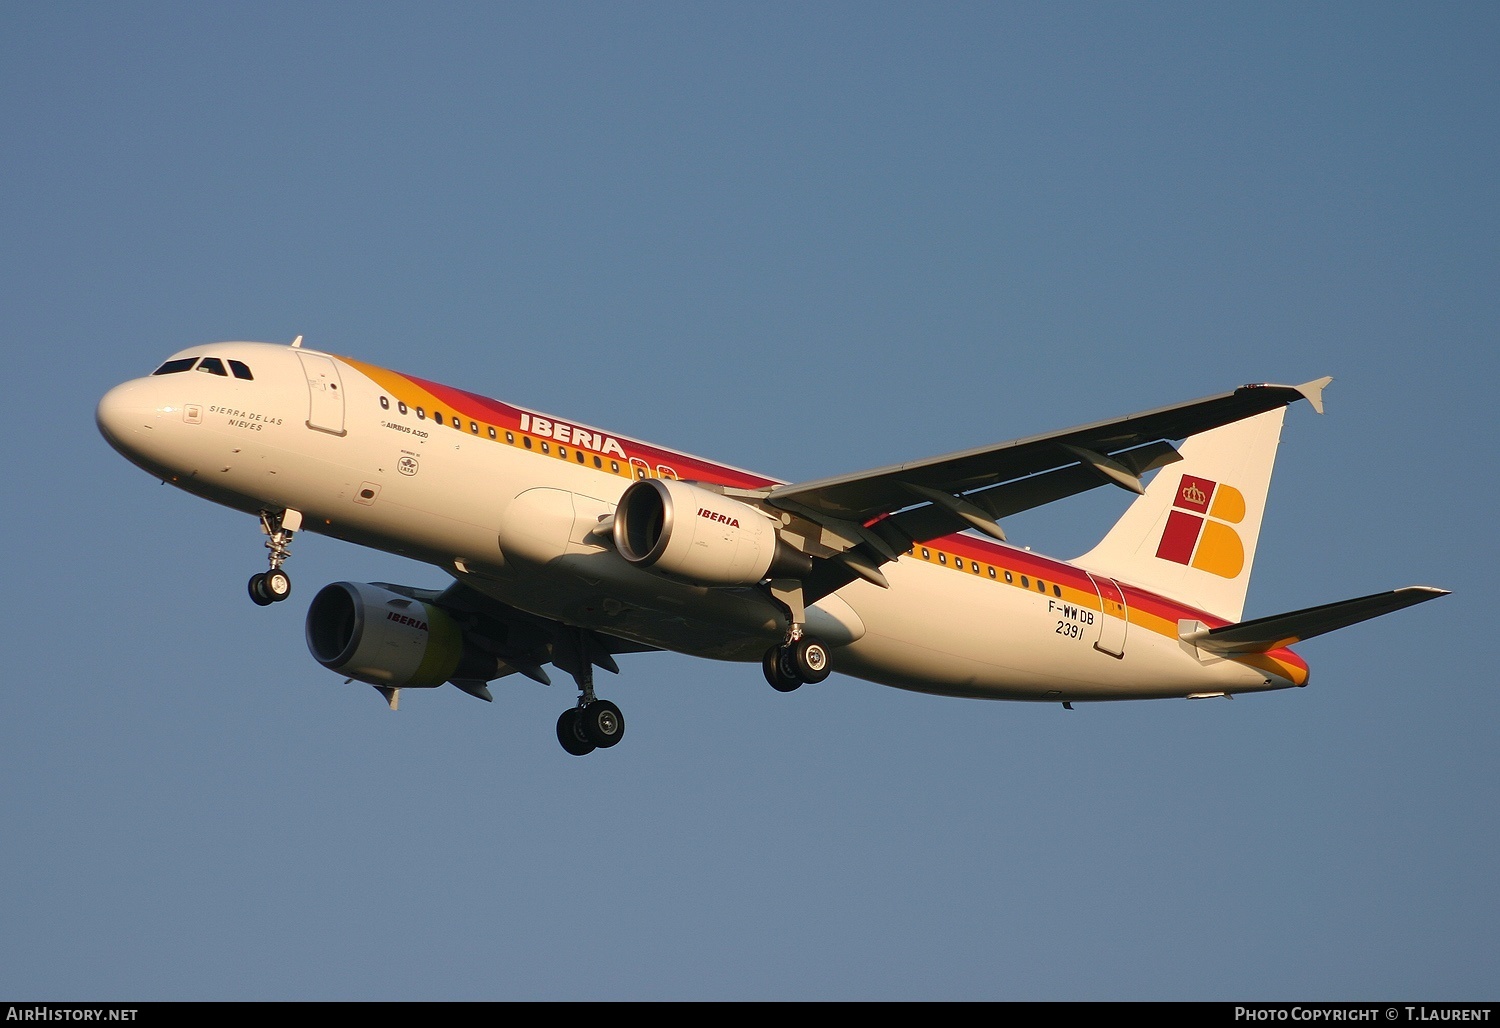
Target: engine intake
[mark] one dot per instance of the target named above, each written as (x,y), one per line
(371,634)
(700,536)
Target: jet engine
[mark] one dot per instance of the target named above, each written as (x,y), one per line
(371,634)
(701,536)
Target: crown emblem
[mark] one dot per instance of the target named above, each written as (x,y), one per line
(1192,494)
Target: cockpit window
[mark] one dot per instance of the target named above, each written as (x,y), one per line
(241,370)
(173,367)
(213,366)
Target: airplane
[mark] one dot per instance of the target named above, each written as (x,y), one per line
(570,545)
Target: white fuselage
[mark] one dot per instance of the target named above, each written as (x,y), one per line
(343,443)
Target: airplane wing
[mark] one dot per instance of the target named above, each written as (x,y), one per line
(870,517)
(520,642)
(868,494)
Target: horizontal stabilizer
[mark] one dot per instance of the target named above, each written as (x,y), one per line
(1271,633)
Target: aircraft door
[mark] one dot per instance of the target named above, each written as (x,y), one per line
(325,411)
(1113,616)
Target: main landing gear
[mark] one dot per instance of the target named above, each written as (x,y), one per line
(800,658)
(275,585)
(803,660)
(593,723)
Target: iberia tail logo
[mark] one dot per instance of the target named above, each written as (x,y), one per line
(1198,532)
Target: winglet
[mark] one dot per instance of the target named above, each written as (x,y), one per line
(1313,391)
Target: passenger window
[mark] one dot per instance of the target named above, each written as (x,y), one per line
(992,572)
(614,466)
(942,558)
(474,427)
(1024,583)
(401,406)
(1057,591)
(1008,578)
(459,424)
(421,414)
(562,451)
(492,432)
(213,366)
(926,554)
(546,448)
(527,440)
(241,370)
(437,416)
(173,367)
(598,462)
(385,404)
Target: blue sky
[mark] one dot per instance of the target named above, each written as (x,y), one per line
(802,239)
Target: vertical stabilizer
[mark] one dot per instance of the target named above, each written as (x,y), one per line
(1192,535)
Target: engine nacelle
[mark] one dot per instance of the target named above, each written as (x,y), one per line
(700,536)
(370,634)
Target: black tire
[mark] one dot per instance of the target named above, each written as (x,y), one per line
(258,591)
(602,724)
(570,734)
(812,660)
(277,584)
(771,665)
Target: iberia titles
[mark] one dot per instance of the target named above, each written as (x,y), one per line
(566,433)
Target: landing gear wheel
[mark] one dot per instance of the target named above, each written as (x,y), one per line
(570,733)
(811,660)
(776,672)
(258,591)
(277,584)
(601,723)
(273,585)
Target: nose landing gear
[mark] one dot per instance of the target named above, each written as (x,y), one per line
(275,585)
(270,587)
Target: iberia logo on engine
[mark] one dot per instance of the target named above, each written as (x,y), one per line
(1198,532)
(713,515)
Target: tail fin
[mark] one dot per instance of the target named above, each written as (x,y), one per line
(1191,536)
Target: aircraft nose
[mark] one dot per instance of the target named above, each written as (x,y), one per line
(123,413)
